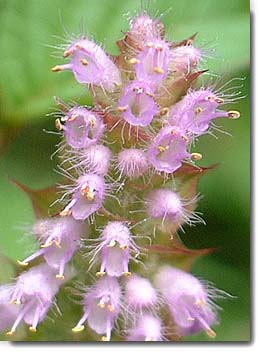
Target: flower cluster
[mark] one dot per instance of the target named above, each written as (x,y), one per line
(120,158)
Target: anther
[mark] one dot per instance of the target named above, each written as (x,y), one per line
(196,156)
(47,244)
(65,212)
(122,108)
(198,110)
(127,273)
(163,111)
(150,45)
(101,305)
(211,333)
(124,247)
(67,53)
(72,117)
(57,69)
(60,277)
(159,70)
(112,243)
(133,61)
(58,125)
(100,273)
(57,243)
(184,138)
(78,328)
(190,319)
(162,149)
(219,100)
(17,302)
(84,62)
(32,329)
(111,307)
(104,338)
(22,263)
(233,114)
(9,333)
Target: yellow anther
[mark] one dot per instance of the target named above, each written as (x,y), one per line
(60,277)
(219,100)
(67,53)
(78,328)
(111,307)
(233,114)
(9,333)
(104,338)
(124,247)
(159,70)
(32,329)
(150,45)
(133,61)
(162,149)
(184,138)
(17,302)
(65,212)
(127,273)
(57,68)
(73,117)
(122,108)
(112,243)
(190,319)
(100,273)
(92,121)
(101,305)
(211,333)
(174,133)
(84,62)
(47,244)
(159,47)
(58,125)
(201,302)
(78,46)
(22,263)
(163,111)
(196,156)
(57,243)
(198,110)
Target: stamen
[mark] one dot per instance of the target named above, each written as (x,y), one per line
(58,125)
(57,68)
(127,273)
(211,333)
(112,243)
(22,263)
(60,277)
(32,329)
(163,111)
(78,328)
(84,62)
(100,273)
(122,108)
(196,156)
(133,61)
(159,70)
(233,114)
(68,53)
(198,110)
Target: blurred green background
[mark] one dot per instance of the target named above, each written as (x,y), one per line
(27,87)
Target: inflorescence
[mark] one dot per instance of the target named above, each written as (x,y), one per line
(119,159)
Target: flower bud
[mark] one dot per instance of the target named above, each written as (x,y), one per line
(132,163)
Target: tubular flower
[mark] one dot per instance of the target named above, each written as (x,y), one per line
(101,307)
(91,65)
(188,301)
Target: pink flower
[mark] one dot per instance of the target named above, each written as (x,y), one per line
(102,304)
(115,248)
(147,328)
(82,127)
(59,242)
(91,65)
(34,294)
(169,149)
(88,197)
(188,300)
(132,163)
(137,104)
